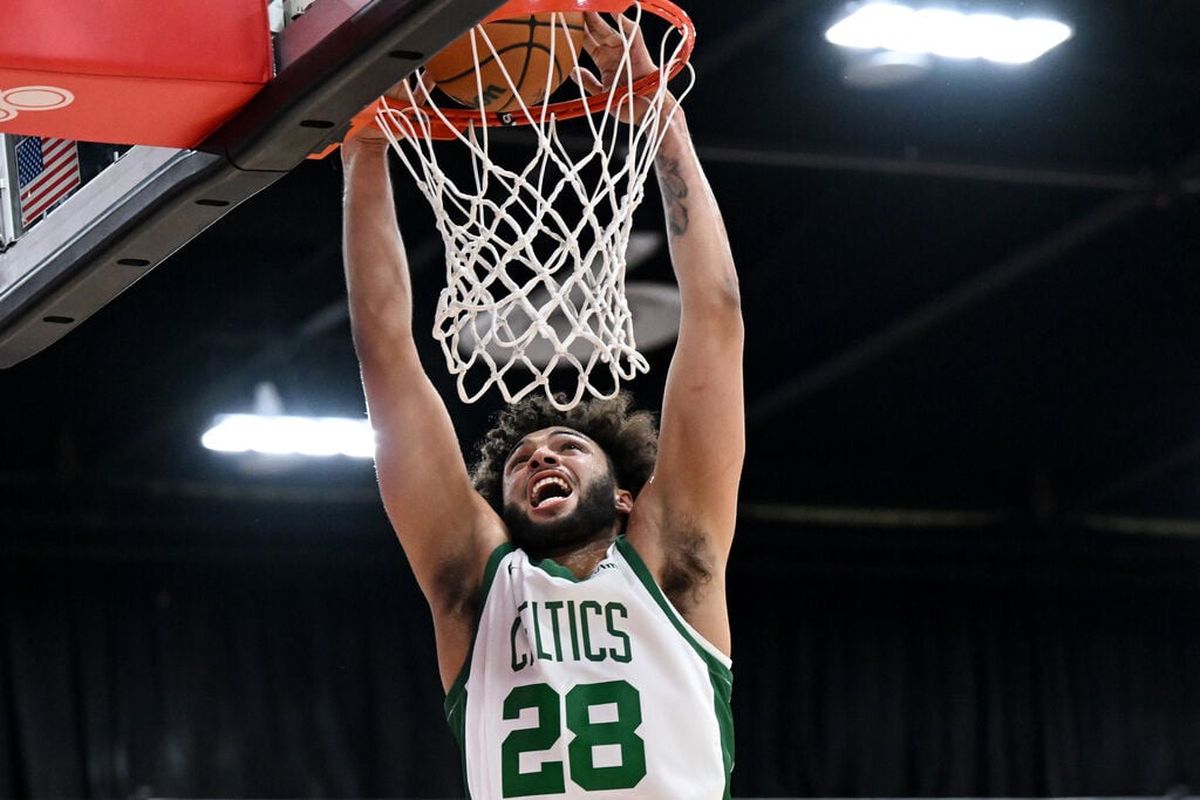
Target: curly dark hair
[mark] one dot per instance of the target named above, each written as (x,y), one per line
(628,438)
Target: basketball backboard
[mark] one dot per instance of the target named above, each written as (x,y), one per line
(332,61)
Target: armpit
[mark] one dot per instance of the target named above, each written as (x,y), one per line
(688,569)
(457,588)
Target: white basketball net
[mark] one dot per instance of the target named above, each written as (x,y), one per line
(535,251)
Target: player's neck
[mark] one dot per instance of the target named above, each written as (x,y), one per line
(582,559)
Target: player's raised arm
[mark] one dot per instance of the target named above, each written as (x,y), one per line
(693,495)
(702,440)
(445,527)
(683,521)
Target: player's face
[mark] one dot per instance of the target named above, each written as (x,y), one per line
(558,490)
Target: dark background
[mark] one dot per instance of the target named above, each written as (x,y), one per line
(967,561)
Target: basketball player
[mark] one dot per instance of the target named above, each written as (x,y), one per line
(577,584)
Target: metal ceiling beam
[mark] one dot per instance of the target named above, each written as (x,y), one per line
(349,496)
(1164,527)
(861,517)
(930,518)
(250,369)
(723,49)
(910,165)
(1143,474)
(1185,454)
(915,166)
(1140,190)
(267,360)
(963,297)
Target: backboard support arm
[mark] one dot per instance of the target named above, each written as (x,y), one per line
(10,215)
(335,59)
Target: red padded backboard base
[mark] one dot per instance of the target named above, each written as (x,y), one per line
(165,72)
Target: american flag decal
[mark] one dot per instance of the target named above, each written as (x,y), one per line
(47,171)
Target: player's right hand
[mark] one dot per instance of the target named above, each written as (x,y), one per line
(365,131)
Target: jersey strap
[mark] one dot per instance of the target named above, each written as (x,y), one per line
(455,705)
(719,673)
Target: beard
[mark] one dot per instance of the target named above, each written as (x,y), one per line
(595,513)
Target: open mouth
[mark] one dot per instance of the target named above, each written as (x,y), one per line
(548,491)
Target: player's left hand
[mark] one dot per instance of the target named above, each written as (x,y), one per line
(606,47)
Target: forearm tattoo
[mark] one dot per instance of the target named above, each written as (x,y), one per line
(674,190)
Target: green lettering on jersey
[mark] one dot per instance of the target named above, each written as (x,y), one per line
(625,654)
(537,633)
(621,731)
(584,607)
(548,779)
(525,661)
(554,606)
(574,630)
(517,666)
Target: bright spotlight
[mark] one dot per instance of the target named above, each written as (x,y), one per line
(948,33)
(274,434)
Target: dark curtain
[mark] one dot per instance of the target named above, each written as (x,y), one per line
(220,680)
(898,688)
(991,668)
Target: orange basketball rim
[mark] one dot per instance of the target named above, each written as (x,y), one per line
(451,122)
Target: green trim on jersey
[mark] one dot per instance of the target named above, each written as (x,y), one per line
(455,698)
(458,725)
(719,675)
(554,569)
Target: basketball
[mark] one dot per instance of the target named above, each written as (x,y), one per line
(523,45)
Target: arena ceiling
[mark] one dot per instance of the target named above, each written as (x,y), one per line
(975,294)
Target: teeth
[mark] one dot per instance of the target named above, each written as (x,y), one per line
(546,481)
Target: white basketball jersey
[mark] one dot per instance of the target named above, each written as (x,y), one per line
(592,689)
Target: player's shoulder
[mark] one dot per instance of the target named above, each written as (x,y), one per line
(463,565)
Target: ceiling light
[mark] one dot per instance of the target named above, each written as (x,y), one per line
(272,433)
(285,436)
(948,33)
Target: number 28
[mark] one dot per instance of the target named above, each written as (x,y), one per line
(549,778)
